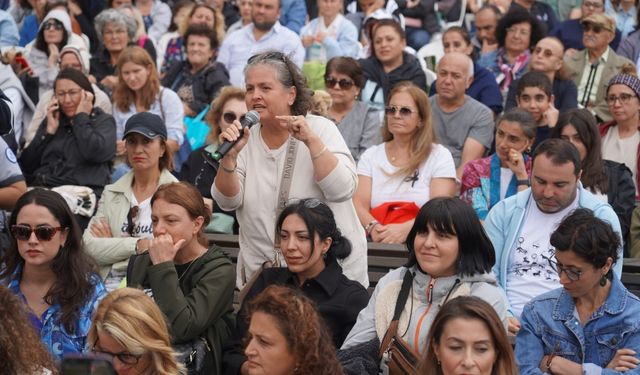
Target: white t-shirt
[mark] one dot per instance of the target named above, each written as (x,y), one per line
(505,179)
(529,273)
(387,188)
(622,150)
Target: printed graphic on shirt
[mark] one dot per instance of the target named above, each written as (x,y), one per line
(532,259)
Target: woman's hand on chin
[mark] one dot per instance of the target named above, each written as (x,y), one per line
(162,249)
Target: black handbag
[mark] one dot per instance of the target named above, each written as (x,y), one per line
(196,356)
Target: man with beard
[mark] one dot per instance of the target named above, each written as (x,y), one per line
(263,34)
(520,226)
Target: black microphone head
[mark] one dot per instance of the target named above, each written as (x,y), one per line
(250,118)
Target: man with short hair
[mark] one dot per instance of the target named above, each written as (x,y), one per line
(462,124)
(520,226)
(486,19)
(570,32)
(263,34)
(592,68)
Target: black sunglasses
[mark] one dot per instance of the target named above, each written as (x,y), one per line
(230,117)
(131,216)
(404,111)
(43,233)
(595,28)
(344,83)
(53,25)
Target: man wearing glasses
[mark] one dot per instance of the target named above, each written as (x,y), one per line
(521,225)
(570,31)
(592,68)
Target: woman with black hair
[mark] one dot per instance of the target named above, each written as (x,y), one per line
(47,268)
(450,255)
(609,180)
(312,246)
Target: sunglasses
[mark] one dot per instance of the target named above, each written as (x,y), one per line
(344,83)
(573,275)
(52,25)
(43,233)
(230,117)
(131,216)
(404,111)
(595,28)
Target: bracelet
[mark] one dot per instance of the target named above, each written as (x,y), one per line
(314,157)
(227,169)
(523,182)
(370,226)
(548,364)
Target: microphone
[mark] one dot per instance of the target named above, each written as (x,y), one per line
(250,119)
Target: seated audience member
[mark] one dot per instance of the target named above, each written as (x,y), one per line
(21,106)
(244,8)
(547,57)
(361,11)
(12,186)
(483,88)
(397,177)
(592,310)
(19,10)
(299,340)
(630,46)
(591,68)
(534,94)
(263,34)
(330,35)
(516,32)
(129,328)
(486,20)
(469,325)
(200,168)
(542,11)
(202,14)
(75,143)
(141,39)
(625,15)
(312,246)
(43,53)
(293,14)
(70,57)
(138,89)
(358,122)
(519,226)
(122,225)
(621,136)
(21,349)
(487,181)
(192,284)
(47,268)
(608,180)
(450,256)
(462,124)
(421,19)
(9,34)
(571,31)
(156,15)
(388,64)
(199,78)
(180,12)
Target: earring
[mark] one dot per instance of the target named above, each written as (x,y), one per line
(603,280)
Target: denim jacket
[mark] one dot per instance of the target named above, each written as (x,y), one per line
(53,334)
(550,325)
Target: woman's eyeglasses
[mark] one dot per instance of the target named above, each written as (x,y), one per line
(404,111)
(573,275)
(623,98)
(125,358)
(43,232)
(345,84)
(52,25)
(230,117)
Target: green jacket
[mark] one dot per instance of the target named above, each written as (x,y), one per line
(199,304)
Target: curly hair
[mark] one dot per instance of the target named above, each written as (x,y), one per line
(74,269)
(304,330)
(134,321)
(21,350)
(538,30)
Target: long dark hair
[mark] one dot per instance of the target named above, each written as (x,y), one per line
(76,77)
(594,174)
(40,43)
(72,266)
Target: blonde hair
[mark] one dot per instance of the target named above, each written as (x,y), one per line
(123,96)
(134,321)
(217,17)
(321,103)
(425,137)
(214,116)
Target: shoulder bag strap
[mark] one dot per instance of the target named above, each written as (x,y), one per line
(283,191)
(161,106)
(400,303)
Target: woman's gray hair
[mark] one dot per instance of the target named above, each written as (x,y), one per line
(289,75)
(523,118)
(116,17)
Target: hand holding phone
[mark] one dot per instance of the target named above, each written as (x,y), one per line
(53,116)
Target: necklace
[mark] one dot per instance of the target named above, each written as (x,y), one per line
(189,266)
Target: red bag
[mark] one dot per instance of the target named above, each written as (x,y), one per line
(395,212)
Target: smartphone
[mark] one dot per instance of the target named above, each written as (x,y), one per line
(24,64)
(86,364)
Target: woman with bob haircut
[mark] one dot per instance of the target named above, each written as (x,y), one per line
(191,282)
(299,340)
(312,246)
(397,177)
(589,325)
(129,327)
(608,179)
(450,255)
(468,325)
(47,268)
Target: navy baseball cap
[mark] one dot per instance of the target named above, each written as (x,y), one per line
(146,123)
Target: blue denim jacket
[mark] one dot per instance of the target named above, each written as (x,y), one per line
(549,324)
(53,334)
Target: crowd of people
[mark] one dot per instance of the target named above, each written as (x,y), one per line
(496,142)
